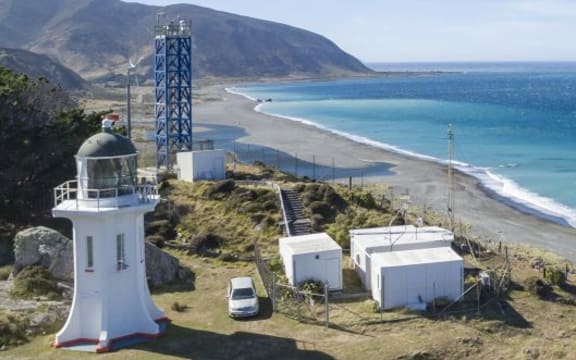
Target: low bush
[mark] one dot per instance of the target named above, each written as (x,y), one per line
(12,330)
(35,281)
(220,189)
(157,240)
(556,276)
(5,272)
(537,286)
(176,306)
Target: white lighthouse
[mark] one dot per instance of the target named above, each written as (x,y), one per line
(112,306)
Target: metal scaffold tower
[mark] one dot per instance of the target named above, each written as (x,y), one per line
(172,91)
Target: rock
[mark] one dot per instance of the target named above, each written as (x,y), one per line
(531,353)
(537,263)
(45,247)
(50,249)
(161,267)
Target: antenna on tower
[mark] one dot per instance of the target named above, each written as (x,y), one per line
(450,207)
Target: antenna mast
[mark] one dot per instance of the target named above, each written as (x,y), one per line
(450,180)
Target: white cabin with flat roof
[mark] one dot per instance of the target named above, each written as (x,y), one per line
(312,257)
(413,278)
(366,242)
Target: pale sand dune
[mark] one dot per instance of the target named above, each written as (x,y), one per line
(426,181)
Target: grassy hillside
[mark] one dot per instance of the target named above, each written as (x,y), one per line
(217,224)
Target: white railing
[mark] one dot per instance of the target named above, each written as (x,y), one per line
(105,198)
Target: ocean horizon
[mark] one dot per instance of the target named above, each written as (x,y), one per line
(514,122)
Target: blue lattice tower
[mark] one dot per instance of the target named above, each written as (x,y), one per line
(173,92)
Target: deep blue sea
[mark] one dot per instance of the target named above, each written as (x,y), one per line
(514,123)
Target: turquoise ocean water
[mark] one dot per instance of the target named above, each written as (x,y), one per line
(514,123)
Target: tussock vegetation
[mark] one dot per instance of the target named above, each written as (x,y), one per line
(12,330)
(225,218)
(337,209)
(35,281)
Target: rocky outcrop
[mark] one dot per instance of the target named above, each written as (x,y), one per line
(52,250)
(47,248)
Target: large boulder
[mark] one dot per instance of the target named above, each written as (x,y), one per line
(52,250)
(45,247)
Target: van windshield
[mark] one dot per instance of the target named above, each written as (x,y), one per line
(245,293)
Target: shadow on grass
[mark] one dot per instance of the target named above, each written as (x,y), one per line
(189,343)
(492,308)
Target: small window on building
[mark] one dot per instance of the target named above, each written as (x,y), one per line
(89,253)
(317,257)
(120,252)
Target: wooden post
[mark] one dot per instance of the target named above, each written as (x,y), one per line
(278,159)
(274,306)
(333,172)
(349,182)
(326,305)
(313,167)
(296,165)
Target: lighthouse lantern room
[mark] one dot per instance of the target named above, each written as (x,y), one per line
(112,306)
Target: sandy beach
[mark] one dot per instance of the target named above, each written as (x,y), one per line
(228,118)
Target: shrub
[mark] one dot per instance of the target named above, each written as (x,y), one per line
(176,306)
(275,264)
(12,330)
(161,228)
(35,281)
(537,286)
(220,189)
(312,285)
(203,242)
(322,208)
(5,272)
(157,240)
(555,276)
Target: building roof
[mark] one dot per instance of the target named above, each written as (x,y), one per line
(415,257)
(310,243)
(418,237)
(106,144)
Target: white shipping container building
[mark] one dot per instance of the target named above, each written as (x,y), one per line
(312,256)
(366,242)
(201,165)
(413,278)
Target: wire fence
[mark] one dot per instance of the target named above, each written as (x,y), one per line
(312,166)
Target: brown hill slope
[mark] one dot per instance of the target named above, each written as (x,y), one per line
(37,66)
(95,38)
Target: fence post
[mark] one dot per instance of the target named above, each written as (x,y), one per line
(327,307)
(333,172)
(313,167)
(349,182)
(296,165)
(277,159)
(274,309)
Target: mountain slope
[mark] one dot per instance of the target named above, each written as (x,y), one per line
(36,66)
(95,38)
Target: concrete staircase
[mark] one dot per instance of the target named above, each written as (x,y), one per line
(298,222)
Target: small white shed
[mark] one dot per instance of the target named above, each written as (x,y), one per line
(365,242)
(312,256)
(416,277)
(201,165)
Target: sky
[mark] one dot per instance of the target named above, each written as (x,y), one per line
(424,30)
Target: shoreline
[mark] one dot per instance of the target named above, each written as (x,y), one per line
(485,210)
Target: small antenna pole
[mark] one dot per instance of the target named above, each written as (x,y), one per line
(128,105)
(450,180)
